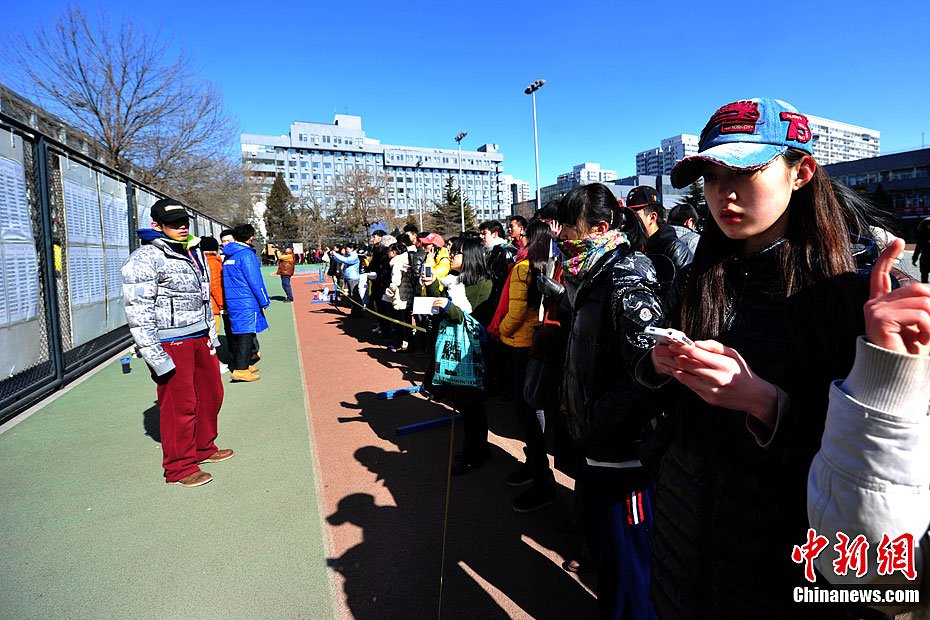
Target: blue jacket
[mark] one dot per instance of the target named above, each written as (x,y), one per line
(244,289)
(351,263)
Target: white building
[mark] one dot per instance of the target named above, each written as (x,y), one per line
(585,173)
(836,142)
(314,155)
(511,191)
(662,159)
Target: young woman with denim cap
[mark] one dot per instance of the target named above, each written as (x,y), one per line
(773,302)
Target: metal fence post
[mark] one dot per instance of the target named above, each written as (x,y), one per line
(131,212)
(52,317)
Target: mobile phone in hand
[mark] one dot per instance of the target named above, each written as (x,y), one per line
(428,271)
(667,335)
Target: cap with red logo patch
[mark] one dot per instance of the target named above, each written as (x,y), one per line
(746,135)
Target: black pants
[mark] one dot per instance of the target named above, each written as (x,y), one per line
(241,348)
(470,403)
(536,457)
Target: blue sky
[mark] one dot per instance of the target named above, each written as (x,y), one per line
(620,75)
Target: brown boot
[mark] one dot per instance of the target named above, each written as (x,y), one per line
(243,375)
(219,455)
(254,368)
(195,479)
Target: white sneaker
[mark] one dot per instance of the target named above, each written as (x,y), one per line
(223,368)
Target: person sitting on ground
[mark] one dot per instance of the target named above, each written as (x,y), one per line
(683,219)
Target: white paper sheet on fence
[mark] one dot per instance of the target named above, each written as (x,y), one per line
(15,220)
(77,275)
(115,259)
(97,285)
(20,282)
(115,218)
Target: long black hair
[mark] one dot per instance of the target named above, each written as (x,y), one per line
(474,266)
(538,246)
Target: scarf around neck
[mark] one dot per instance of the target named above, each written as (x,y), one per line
(582,254)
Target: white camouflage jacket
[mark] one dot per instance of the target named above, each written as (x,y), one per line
(166,296)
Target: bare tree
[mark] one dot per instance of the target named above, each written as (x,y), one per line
(128,91)
(360,200)
(312,225)
(223,192)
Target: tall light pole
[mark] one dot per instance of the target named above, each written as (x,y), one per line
(531,90)
(416,193)
(458,139)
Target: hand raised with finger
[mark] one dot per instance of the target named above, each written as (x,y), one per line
(897,320)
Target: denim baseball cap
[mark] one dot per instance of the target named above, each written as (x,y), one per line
(746,135)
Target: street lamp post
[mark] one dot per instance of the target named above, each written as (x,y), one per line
(416,193)
(531,90)
(458,139)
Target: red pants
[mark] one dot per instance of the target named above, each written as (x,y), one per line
(189,401)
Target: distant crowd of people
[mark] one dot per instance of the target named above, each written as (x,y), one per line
(686,373)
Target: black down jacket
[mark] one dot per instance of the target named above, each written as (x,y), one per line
(727,510)
(607,413)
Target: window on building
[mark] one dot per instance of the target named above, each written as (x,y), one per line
(326,139)
(301,137)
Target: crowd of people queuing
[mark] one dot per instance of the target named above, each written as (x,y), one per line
(691,458)
(692,454)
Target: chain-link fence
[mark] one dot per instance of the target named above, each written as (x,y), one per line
(67,226)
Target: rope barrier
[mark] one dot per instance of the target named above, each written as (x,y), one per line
(378,314)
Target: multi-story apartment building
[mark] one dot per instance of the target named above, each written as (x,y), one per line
(314,156)
(585,173)
(670,151)
(511,191)
(835,142)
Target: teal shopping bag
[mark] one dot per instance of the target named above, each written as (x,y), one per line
(459,357)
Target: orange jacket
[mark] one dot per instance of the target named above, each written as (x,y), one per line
(216,282)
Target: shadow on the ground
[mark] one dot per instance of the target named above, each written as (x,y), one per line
(151,418)
(492,553)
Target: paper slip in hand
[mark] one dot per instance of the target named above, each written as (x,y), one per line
(424,305)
